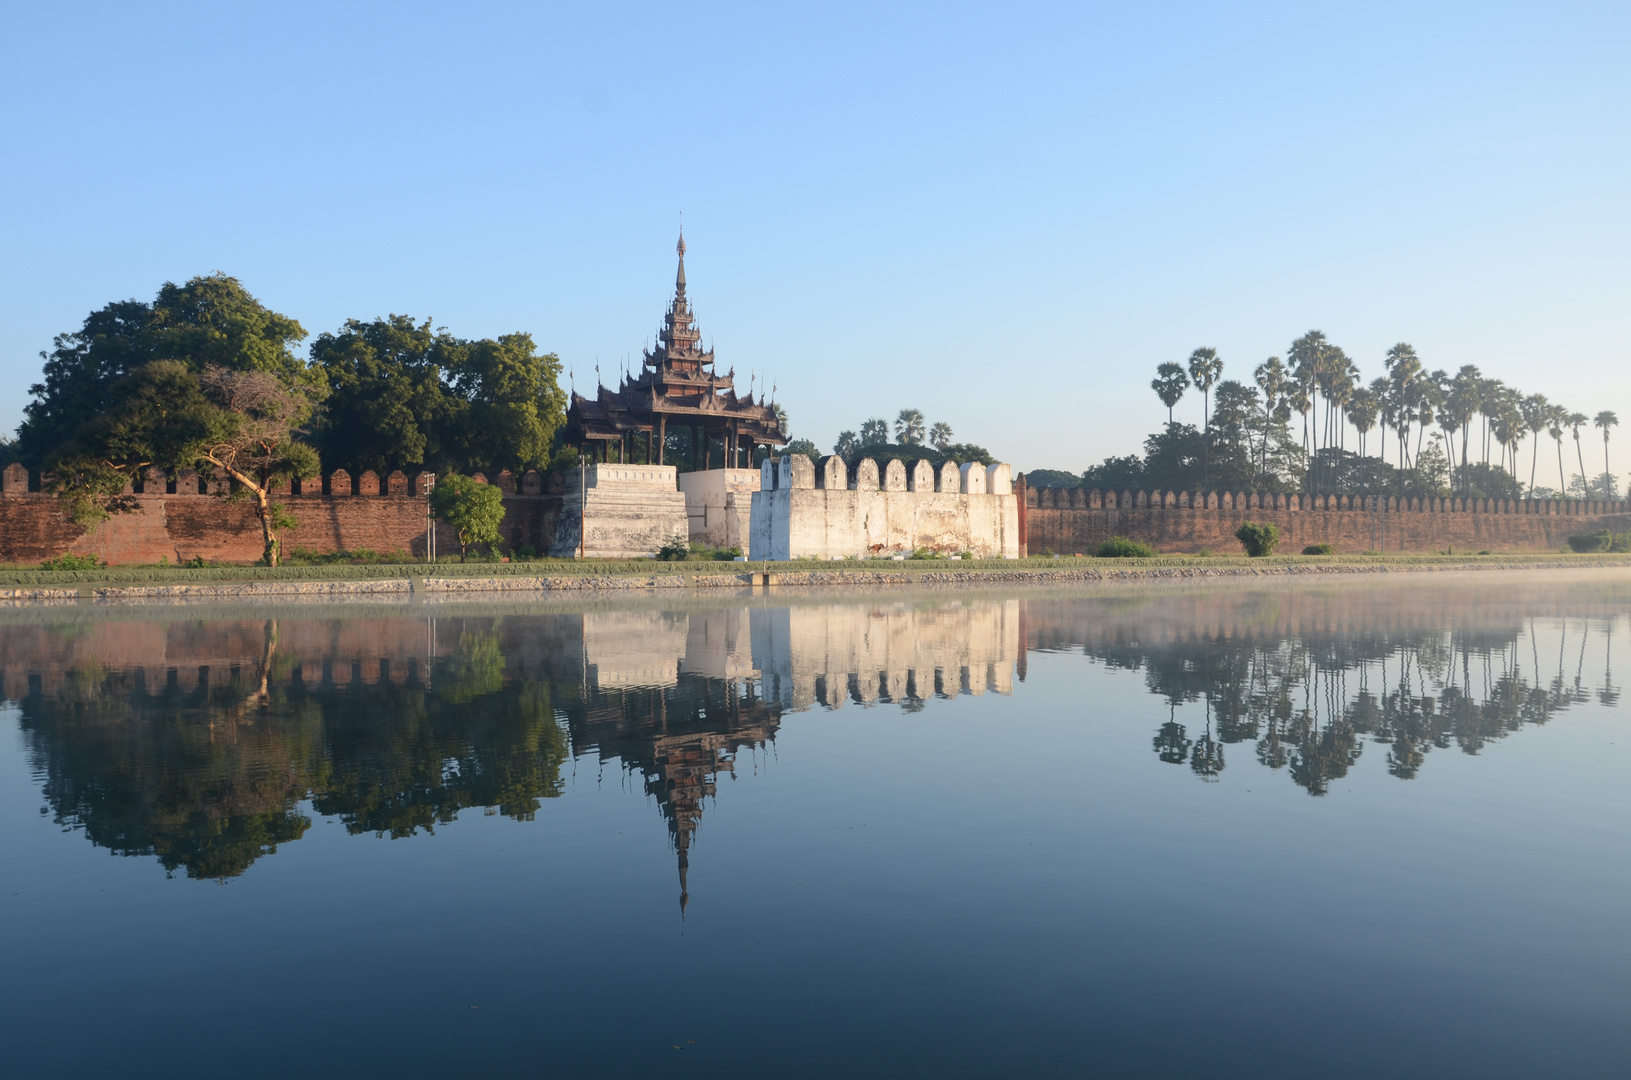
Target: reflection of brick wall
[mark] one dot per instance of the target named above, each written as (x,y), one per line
(1077,521)
(179,527)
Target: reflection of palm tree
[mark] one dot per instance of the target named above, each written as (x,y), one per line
(1171,745)
(1609,694)
(1207,758)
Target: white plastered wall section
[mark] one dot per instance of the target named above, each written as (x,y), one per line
(875,515)
(718,506)
(620,512)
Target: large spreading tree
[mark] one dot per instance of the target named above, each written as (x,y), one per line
(204,377)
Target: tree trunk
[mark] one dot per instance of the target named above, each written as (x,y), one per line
(263,510)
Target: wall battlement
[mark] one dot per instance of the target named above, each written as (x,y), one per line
(806,510)
(1077,520)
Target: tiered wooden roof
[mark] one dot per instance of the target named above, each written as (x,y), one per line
(677,384)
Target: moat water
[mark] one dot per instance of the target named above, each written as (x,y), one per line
(1341,830)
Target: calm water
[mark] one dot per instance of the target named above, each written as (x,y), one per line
(1350,830)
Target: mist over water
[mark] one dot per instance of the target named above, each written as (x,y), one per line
(1345,829)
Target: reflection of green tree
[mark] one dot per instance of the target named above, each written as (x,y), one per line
(403,760)
(191,776)
(210,778)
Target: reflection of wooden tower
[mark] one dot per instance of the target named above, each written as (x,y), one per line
(679,738)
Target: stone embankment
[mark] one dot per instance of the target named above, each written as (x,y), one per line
(432,587)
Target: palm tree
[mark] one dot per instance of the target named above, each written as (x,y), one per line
(1576,421)
(1204,370)
(1489,405)
(1271,379)
(1556,417)
(1536,412)
(909,427)
(1169,385)
(1463,401)
(1362,410)
(1605,420)
(875,432)
(940,435)
(848,445)
(1404,368)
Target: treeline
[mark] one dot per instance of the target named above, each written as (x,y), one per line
(207,377)
(915,440)
(1289,430)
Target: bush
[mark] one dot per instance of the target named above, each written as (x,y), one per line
(70,561)
(1319,549)
(1258,539)
(359,557)
(676,550)
(1585,543)
(1119,547)
(526,553)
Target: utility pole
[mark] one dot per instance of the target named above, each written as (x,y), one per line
(583,499)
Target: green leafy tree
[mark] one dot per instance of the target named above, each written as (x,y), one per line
(243,424)
(508,404)
(803,446)
(473,509)
(388,403)
(1169,385)
(210,321)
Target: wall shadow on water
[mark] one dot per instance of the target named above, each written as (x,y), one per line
(201,738)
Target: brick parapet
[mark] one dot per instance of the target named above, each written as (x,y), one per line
(174,520)
(1077,520)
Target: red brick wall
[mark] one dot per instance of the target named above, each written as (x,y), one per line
(182,527)
(1071,522)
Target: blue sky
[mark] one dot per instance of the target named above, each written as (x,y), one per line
(1005,216)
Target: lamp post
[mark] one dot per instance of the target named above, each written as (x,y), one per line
(430,522)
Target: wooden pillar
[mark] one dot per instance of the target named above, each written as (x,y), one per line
(662,437)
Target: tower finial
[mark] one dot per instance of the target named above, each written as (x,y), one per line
(679,279)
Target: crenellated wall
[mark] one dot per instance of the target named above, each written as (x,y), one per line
(1076,521)
(187,516)
(803,511)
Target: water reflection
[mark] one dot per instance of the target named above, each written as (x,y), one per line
(203,741)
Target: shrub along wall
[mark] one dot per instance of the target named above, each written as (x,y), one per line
(1068,521)
(176,522)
